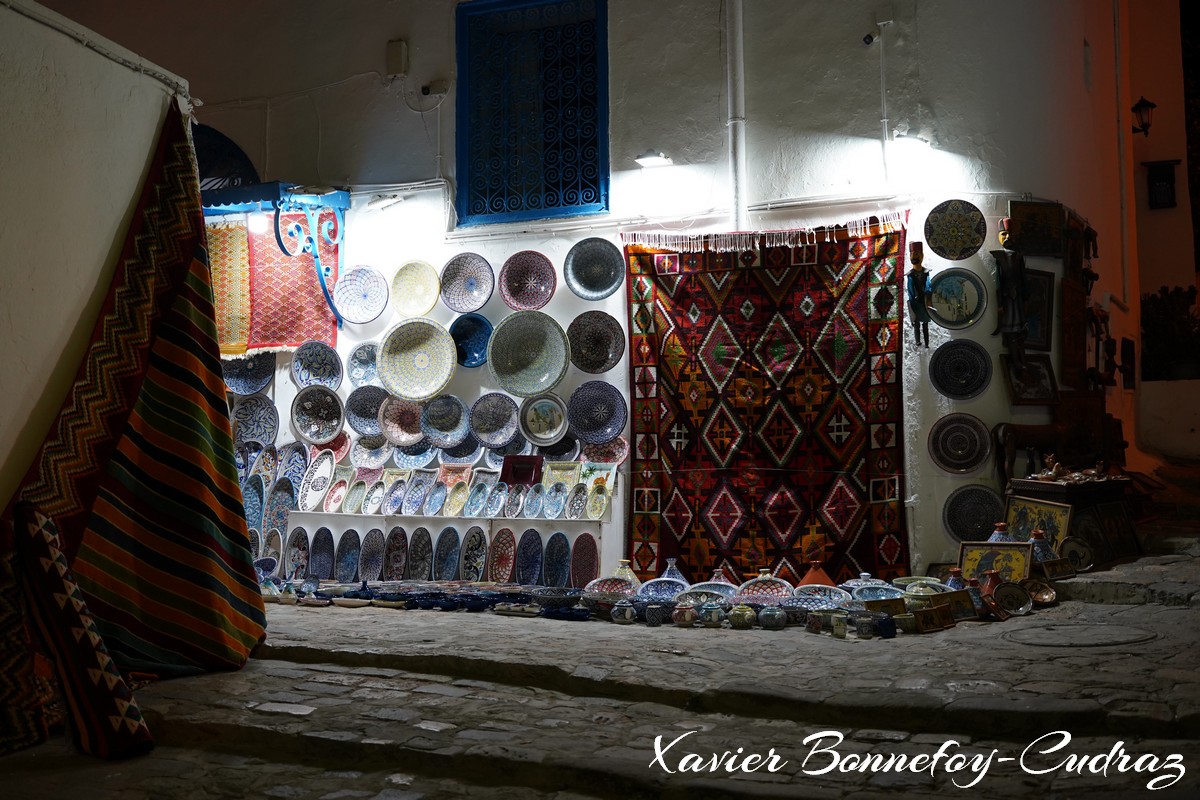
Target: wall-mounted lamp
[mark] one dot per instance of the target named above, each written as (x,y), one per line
(910,139)
(382,201)
(653,158)
(1143,109)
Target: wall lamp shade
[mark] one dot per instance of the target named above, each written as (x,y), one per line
(1143,109)
(653,158)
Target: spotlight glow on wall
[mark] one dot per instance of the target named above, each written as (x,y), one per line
(257,222)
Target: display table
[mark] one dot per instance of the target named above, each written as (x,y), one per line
(1099,514)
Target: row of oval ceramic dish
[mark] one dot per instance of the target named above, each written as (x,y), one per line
(403,556)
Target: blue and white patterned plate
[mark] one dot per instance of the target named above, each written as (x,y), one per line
(556,500)
(472,560)
(528,354)
(256,420)
(395,555)
(293,462)
(414,500)
(880,592)
(471,333)
(316,364)
(534,499)
(577,501)
(494,508)
(373,500)
(349,552)
(514,501)
(352,504)
(494,420)
(476,501)
(281,500)
(445,556)
(371,452)
(465,453)
(393,500)
(594,268)
(361,365)
(528,570)
(362,409)
(467,282)
(662,588)
(316,482)
(266,465)
(415,289)
(435,500)
(317,414)
(597,412)
(370,562)
(565,449)
(415,456)
(360,295)
(556,568)
(248,374)
(494,457)
(416,359)
(420,555)
(321,554)
(253,498)
(445,421)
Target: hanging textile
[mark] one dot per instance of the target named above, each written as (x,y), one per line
(229,262)
(137,474)
(767,404)
(287,307)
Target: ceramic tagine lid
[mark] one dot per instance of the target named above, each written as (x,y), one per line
(816,575)
(863,579)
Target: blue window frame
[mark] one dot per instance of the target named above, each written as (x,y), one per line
(532,115)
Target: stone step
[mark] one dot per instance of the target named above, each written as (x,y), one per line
(1169,580)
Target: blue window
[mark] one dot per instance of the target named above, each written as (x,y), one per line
(532,140)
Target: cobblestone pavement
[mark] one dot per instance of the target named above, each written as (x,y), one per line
(379,703)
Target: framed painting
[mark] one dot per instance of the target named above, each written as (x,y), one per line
(1031,383)
(1012,560)
(940,570)
(1057,568)
(1037,227)
(959,602)
(1039,309)
(1026,514)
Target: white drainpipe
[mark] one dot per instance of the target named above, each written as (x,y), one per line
(735,78)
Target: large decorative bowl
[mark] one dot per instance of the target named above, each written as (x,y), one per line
(597,412)
(415,289)
(400,421)
(528,353)
(494,420)
(371,452)
(415,456)
(466,452)
(360,295)
(527,281)
(317,414)
(597,341)
(416,359)
(362,409)
(316,363)
(248,374)
(255,419)
(445,421)
(594,269)
(467,282)
(471,333)
(544,419)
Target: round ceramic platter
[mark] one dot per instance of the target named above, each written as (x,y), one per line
(514,501)
(445,555)
(960,442)
(955,229)
(543,419)
(416,359)
(434,500)
(248,374)
(597,341)
(528,571)
(527,281)
(371,452)
(556,568)
(528,353)
(971,512)
(373,500)
(340,445)
(266,465)
(1013,598)
(594,269)
(471,334)
(465,453)
(597,501)
(334,497)
(883,592)
(662,588)
(393,499)
(467,282)
(361,365)
(349,551)
(1041,592)
(316,364)
(420,555)
(414,499)
(476,501)
(281,499)
(400,421)
(614,452)
(502,554)
(565,449)
(360,295)
(253,497)
(456,499)
(362,409)
(256,420)
(293,462)
(472,559)
(370,561)
(415,289)
(415,456)
(445,421)
(320,555)
(317,414)
(577,501)
(316,481)
(494,420)
(534,499)
(556,501)
(1078,552)
(957,298)
(352,504)
(395,555)
(960,369)
(585,560)
(494,507)
(597,412)
(494,457)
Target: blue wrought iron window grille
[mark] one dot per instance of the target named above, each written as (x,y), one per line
(532,140)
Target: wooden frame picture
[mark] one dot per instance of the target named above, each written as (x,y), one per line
(1039,309)
(959,602)
(1013,560)
(1026,514)
(944,616)
(1031,383)
(1037,227)
(940,570)
(1057,568)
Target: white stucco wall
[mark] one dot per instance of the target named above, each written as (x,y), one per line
(75,140)
(1013,98)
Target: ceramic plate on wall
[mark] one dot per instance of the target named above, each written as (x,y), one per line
(415,456)
(456,499)
(361,365)
(519,446)
(371,452)
(445,421)
(352,504)
(400,421)
(316,364)
(445,555)
(502,555)
(597,412)
(435,500)
(594,268)
(528,569)
(471,334)
(266,465)
(476,500)
(960,369)
(528,353)
(614,452)
(281,501)
(585,560)
(527,281)
(415,289)
(316,482)
(414,500)
(370,561)
(255,419)
(955,229)
(317,415)
(597,501)
(565,449)
(494,507)
(465,453)
(293,462)
(362,409)
(416,359)
(494,420)
(349,552)
(472,560)
(373,500)
(543,419)
(534,499)
(957,298)
(467,282)
(393,499)
(320,555)
(420,555)
(335,496)
(556,500)
(556,567)
(577,501)
(960,442)
(971,513)
(597,341)
(395,555)
(249,374)
(360,295)
(254,495)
